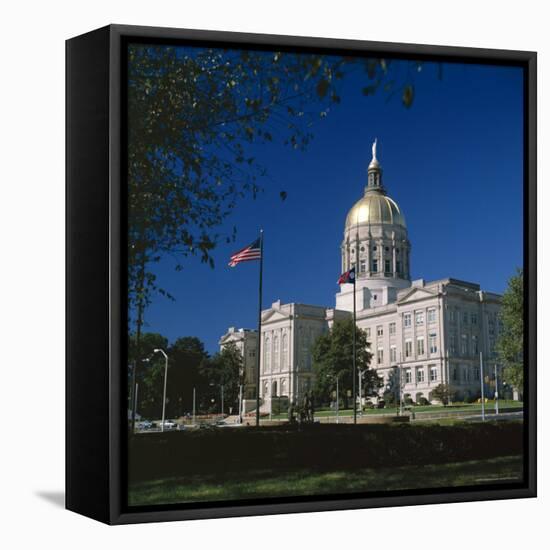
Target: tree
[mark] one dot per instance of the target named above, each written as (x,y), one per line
(510,341)
(442,392)
(147,394)
(186,357)
(193,114)
(392,389)
(224,369)
(333,357)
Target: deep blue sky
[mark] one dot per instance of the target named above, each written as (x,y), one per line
(453,162)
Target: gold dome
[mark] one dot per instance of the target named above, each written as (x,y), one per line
(375,207)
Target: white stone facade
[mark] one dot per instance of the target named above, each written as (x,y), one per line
(422,333)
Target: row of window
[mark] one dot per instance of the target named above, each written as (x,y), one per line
(419,317)
(420,374)
(465,374)
(420,348)
(468,346)
(375,264)
(375,248)
(466,318)
(275,352)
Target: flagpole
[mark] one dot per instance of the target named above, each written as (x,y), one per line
(259,347)
(354,358)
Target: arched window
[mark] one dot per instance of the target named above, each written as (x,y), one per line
(274,388)
(284,362)
(283,387)
(267,355)
(275,353)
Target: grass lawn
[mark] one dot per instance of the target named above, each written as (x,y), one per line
(459,407)
(265,484)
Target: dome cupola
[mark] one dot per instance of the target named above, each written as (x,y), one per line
(375,235)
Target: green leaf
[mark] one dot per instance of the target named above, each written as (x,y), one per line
(408,95)
(322,88)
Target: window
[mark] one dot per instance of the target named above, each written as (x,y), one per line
(379,356)
(420,345)
(473,318)
(267,355)
(367,330)
(387,249)
(452,315)
(408,348)
(419,315)
(465,317)
(420,374)
(433,342)
(475,345)
(393,354)
(387,267)
(285,352)
(362,266)
(407,320)
(276,352)
(379,330)
(398,266)
(408,376)
(431,315)
(464,344)
(375,265)
(392,328)
(454,374)
(452,344)
(476,373)
(433,373)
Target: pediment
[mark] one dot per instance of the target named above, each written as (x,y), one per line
(416,294)
(273,315)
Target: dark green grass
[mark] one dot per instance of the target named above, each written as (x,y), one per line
(265,484)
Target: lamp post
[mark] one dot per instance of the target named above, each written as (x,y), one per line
(161,351)
(360,372)
(496,388)
(194,405)
(336,376)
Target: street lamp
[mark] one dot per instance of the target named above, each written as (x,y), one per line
(360,373)
(336,376)
(165,379)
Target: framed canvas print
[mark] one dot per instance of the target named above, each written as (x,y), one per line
(301,274)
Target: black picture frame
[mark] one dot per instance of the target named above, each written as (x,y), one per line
(95,268)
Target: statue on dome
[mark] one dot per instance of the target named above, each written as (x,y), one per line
(374,149)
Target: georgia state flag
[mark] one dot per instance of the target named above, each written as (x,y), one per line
(347,277)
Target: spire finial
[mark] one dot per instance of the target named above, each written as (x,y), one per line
(374,171)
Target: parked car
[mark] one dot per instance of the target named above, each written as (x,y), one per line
(169,425)
(145,425)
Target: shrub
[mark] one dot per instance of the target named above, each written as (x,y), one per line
(422,401)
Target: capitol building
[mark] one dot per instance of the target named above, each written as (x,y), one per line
(429,332)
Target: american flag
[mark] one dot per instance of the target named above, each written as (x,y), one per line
(247,254)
